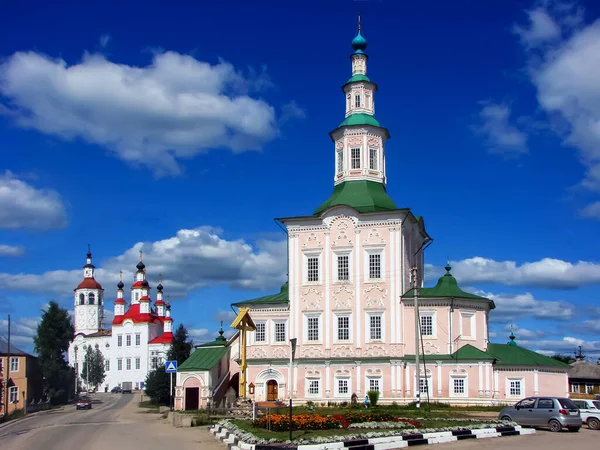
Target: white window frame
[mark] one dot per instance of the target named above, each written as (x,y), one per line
(522,387)
(285,331)
(13,394)
(305,327)
(353,160)
(14,367)
(264,323)
(138,339)
(340,161)
(433,316)
(128,340)
(428,378)
(373,151)
(337,266)
(465,379)
(119,340)
(107,365)
(471,316)
(127,363)
(119,363)
(337,339)
(379,380)
(309,381)
(138,363)
(366,265)
(357,101)
(308,256)
(368,316)
(337,393)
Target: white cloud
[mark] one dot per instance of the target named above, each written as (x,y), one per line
(291,111)
(226,316)
(11,250)
(154,116)
(22,331)
(546,273)
(24,206)
(502,137)
(542,28)
(191,259)
(566,345)
(512,307)
(592,210)
(104,40)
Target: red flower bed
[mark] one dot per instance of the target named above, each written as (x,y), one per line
(280,422)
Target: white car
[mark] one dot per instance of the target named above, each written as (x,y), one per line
(590,412)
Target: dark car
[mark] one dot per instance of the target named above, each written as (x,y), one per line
(84,403)
(116,390)
(555,413)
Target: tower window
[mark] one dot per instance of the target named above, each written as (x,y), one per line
(343,267)
(91,299)
(313,269)
(375,266)
(340,161)
(81,299)
(357,101)
(373,159)
(355,153)
(367,101)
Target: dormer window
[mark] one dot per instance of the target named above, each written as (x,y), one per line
(355,158)
(357,101)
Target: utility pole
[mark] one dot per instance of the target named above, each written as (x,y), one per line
(417,334)
(6,388)
(293,342)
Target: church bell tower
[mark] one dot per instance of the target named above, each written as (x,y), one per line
(89,301)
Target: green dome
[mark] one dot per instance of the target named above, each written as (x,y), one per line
(359,43)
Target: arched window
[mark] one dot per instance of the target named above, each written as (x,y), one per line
(91,299)
(137,296)
(81,299)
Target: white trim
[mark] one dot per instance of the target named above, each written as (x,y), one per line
(456,376)
(307,384)
(306,256)
(10,362)
(379,379)
(374,251)
(13,394)
(336,272)
(254,341)
(336,338)
(433,315)
(368,316)
(318,315)
(522,387)
(285,339)
(471,316)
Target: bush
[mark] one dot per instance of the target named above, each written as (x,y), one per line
(373,397)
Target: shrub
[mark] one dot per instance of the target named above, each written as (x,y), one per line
(373,397)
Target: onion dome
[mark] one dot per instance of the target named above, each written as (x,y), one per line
(145,283)
(120,285)
(159,287)
(359,43)
(141,266)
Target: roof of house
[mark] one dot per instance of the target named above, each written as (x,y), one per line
(206,356)
(585,369)
(447,286)
(513,355)
(362,195)
(89,283)
(14,351)
(281,297)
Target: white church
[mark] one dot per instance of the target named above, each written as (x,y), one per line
(140,334)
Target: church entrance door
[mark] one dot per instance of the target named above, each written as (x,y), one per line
(272,391)
(192,398)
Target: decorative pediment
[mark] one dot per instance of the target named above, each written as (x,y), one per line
(373,142)
(313,373)
(431,349)
(312,352)
(312,298)
(343,296)
(374,372)
(312,241)
(457,371)
(343,352)
(376,350)
(355,141)
(374,238)
(342,372)
(280,352)
(258,353)
(375,296)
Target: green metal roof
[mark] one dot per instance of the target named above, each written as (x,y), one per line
(470,352)
(203,358)
(513,355)
(360,119)
(447,287)
(218,342)
(359,77)
(362,195)
(281,297)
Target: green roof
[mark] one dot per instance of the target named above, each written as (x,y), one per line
(362,195)
(359,77)
(513,355)
(203,358)
(470,352)
(360,119)
(446,287)
(281,297)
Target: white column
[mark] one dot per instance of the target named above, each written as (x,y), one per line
(393,379)
(327,380)
(407,379)
(358,274)
(496,384)
(487,379)
(291,281)
(392,283)
(535,382)
(480,376)
(399,388)
(327,272)
(297,283)
(358,377)
(403,287)
(439,378)
(295,380)
(398,283)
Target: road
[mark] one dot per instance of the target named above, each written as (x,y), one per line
(115,421)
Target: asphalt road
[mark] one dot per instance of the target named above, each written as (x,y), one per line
(114,422)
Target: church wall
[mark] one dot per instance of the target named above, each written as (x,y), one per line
(124,353)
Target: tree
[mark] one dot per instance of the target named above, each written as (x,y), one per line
(94,359)
(51,342)
(563,358)
(181,347)
(158,381)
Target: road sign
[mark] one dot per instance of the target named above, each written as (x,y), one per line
(171,367)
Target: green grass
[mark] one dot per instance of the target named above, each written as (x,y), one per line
(149,406)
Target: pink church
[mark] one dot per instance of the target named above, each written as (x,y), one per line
(349,299)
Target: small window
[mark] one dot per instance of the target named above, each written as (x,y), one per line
(343,268)
(138,339)
(313,328)
(545,403)
(375,327)
(515,388)
(340,161)
(343,387)
(375,266)
(459,385)
(14,364)
(107,365)
(128,364)
(427,325)
(343,323)
(119,341)
(313,269)
(137,296)
(279,331)
(119,364)
(313,387)
(137,363)
(355,158)
(81,299)
(91,299)
(128,340)
(373,159)
(374,384)
(357,100)
(13,394)
(260,333)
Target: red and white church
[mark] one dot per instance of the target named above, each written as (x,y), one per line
(138,338)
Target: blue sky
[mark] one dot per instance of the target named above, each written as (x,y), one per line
(184,130)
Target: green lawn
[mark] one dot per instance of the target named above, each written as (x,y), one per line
(151,407)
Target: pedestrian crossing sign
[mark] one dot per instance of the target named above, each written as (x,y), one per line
(171,367)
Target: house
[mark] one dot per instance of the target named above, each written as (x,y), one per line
(584,379)
(25,381)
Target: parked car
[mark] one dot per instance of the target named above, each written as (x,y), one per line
(84,402)
(116,390)
(590,412)
(555,413)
